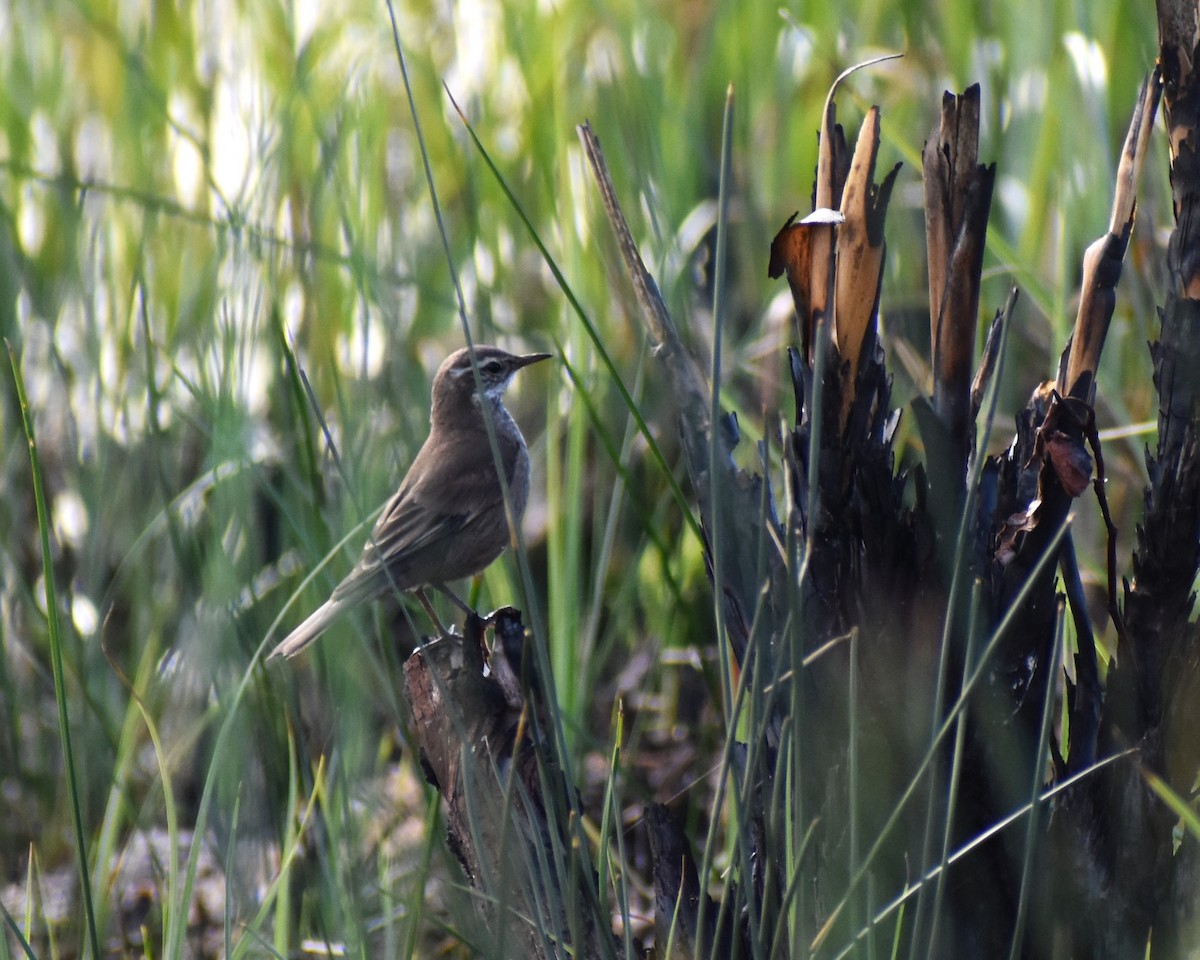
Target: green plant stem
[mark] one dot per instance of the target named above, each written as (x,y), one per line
(56,658)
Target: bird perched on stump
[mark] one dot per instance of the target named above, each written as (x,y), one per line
(448,519)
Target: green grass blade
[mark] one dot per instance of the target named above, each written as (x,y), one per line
(175,912)
(1179,806)
(898,902)
(16,932)
(953,603)
(714,444)
(593,333)
(948,724)
(1037,778)
(716,545)
(56,656)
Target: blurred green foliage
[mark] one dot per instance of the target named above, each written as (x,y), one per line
(198,201)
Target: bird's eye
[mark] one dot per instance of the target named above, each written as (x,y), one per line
(493,366)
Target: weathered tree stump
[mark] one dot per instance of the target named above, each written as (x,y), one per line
(507,805)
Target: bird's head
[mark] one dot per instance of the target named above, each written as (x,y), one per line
(455,386)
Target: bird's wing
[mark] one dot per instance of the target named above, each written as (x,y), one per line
(408,524)
(422,512)
(404,527)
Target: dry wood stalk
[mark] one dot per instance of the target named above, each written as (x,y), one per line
(837,256)
(677,914)
(750,536)
(873,569)
(504,799)
(860,256)
(1103,259)
(958,197)
(1153,688)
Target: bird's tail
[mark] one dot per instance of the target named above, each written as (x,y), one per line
(316,624)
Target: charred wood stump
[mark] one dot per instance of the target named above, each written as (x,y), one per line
(1138,880)
(507,805)
(918,634)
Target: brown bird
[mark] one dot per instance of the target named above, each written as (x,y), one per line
(448,520)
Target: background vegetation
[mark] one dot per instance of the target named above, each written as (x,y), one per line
(201,202)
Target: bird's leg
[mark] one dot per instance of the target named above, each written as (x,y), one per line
(454,598)
(430,612)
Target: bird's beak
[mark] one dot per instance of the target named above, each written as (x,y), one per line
(527,359)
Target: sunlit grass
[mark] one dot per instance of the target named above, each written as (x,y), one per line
(199,205)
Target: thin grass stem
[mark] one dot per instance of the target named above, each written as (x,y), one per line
(56,656)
